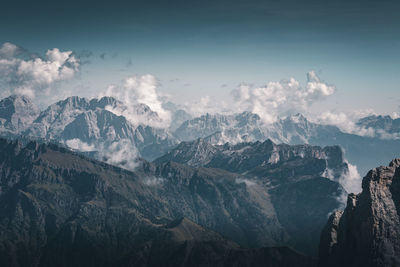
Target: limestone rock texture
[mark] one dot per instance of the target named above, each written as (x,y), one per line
(367,232)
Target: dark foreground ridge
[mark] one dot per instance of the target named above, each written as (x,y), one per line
(58,208)
(367,233)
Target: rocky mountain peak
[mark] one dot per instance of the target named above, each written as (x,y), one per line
(395,163)
(368,231)
(297,118)
(104,102)
(74,102)
(17,112)
(247,117)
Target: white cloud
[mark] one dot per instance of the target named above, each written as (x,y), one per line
(347,122)
(122,153)
(281,98)
(143,90)
(247,182)
(36,75)
(8,50)
(395,115)
(139,90)
(385,135)
(79,145)
(351,179)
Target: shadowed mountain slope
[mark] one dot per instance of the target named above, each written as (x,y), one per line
(60,208)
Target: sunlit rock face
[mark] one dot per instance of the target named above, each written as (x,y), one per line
(17,112)
(367,233)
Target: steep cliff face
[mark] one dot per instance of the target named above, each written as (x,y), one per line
(367,233)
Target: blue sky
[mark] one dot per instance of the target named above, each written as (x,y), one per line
(198,48)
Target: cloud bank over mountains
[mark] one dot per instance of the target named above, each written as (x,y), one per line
(136,90)
(33,75)
(38,76)
(281,98)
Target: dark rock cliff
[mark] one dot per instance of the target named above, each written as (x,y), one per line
(367,233)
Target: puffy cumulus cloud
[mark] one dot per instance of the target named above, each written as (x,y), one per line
(137,90)
(35,75)
(281,98)
(8,50)
(143,90)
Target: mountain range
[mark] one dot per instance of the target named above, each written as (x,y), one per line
(58,205)
(96,182)
(296,129)
(98,126)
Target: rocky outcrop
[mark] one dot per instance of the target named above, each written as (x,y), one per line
(367,233)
